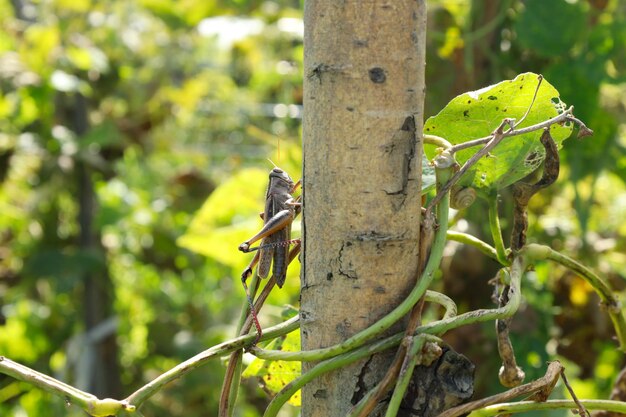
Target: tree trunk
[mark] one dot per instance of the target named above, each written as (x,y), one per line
(102,378)
(363,100)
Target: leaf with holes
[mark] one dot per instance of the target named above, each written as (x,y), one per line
(478,113)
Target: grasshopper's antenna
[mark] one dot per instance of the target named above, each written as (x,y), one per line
(272,162)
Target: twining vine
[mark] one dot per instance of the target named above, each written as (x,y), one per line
(420,342)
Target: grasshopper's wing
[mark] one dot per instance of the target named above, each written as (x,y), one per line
(267,253)
(265,258)
(281,256)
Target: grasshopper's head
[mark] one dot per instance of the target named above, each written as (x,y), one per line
(281,178)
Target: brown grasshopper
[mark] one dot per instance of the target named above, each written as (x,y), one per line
(280,210)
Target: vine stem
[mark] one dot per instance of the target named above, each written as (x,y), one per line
(437,141)
(326,366)
(612,304)
(435,328)
(438,327)
(148,390)
(384,323)
(280,355)
(496,231)
(416,344)
(109,406)
(88,402)
(525,406)
(471,240)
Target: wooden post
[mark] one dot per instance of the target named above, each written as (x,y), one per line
(363,113)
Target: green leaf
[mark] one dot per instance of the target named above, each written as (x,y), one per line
(478,113)
(276,374)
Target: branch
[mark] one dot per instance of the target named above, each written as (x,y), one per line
(543,385)
(566,116)
(524,406)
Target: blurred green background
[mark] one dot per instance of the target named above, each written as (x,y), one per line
(134,138)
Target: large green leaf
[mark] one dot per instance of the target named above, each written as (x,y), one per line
(478,113)
(228,217)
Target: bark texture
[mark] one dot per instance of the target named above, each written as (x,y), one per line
(364,93)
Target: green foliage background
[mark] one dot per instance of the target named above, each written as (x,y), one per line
(170,121)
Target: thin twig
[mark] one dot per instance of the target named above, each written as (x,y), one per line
(582,411)
(491,142)
(566,116)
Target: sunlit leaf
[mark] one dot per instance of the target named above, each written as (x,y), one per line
(228,217)
(478,113)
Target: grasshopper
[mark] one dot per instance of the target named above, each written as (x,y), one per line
(280,210)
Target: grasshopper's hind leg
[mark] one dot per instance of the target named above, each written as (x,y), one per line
(244,277)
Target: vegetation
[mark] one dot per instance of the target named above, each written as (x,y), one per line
(133,145)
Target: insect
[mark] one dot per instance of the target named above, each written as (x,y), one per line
(280,210)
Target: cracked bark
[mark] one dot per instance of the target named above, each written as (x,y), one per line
(364,91)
